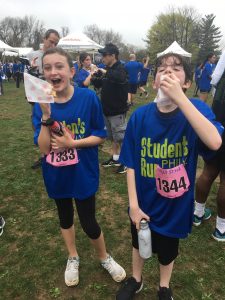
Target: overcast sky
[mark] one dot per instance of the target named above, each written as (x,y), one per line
(131,19)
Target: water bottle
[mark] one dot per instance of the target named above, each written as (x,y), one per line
(55,126)
(144,240)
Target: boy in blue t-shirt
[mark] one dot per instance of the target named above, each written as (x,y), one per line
(160,150)
(133,68)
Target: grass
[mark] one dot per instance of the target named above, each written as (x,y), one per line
(32,253)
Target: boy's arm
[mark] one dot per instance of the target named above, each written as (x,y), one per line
(206,131)
(136,214)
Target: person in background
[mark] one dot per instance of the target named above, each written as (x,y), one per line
(114,102)
(1,80)
(206,76)
(214,166)
(83,78)
(50,40)
(144,77)
(70,164)
(197,76)
(133,69)
(161,174)
(2,224)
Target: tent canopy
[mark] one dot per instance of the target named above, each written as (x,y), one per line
(4,46)
(23,51)
(175,48)
(20,52)
(78,42)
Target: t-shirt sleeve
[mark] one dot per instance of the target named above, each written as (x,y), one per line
(80,78)
(203,150)
(36,121)
(97,120)
(127,154)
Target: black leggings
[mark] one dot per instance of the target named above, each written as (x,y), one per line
(86,213)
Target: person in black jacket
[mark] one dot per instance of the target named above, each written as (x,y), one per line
(114,102)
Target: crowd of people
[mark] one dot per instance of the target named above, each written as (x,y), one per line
(157,147)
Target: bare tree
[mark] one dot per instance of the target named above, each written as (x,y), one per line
(64,31)
(20,32)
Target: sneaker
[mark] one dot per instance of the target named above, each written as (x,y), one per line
(146,94)
(129,289)
(36,164)
(165,293)
(2,224)
(198,220)
(140,94)
(121,170)
(218,236)
(72,271)
(110,163)
(114,269)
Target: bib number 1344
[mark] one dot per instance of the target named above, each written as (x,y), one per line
(172,183)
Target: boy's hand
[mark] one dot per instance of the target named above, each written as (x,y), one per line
(136,215)
(65,141)
(171,86)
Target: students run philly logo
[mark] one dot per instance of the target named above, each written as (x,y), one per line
(171,155)
(77,128)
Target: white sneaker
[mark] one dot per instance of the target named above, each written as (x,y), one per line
(72,271)
(114,269)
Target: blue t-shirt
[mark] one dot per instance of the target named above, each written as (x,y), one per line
(167,140)
(15,68)
(81,76)
(101,66)
(144,74)
(204,82)
(133,68)
(82,114)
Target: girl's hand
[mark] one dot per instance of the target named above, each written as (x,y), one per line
(46,110)
(171,86)
(65,141)
(136,215)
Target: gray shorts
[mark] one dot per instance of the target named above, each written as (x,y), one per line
(116,126)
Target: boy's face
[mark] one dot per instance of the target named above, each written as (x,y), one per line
(171,65)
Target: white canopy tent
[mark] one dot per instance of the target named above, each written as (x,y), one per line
(4,47)
(20,52)
(175,48)
(77,42)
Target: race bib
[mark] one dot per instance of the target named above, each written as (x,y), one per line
(172,183)
(63,158)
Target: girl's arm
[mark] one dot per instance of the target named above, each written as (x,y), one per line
(87,81)
(136,214)
(66,141)
(44,138)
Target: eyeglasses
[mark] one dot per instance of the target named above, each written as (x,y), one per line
(2,224)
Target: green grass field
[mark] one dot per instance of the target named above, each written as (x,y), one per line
(32,253)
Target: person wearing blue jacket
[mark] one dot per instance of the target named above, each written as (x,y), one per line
(70,164)
(160,149)
(206,76)
(133,68)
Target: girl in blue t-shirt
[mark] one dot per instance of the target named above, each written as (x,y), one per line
(83,78)
(160,150)
(66,177)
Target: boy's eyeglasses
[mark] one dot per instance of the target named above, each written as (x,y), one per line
(2,224)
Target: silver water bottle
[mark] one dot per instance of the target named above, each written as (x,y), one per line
(145,240)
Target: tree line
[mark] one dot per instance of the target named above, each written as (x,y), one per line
(196,34)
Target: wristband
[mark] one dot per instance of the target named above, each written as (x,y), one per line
(44,122)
